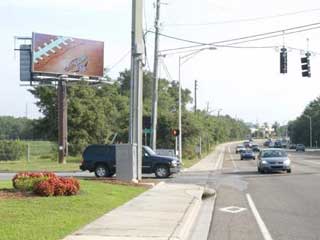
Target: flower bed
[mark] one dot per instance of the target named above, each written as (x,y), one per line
(46,184)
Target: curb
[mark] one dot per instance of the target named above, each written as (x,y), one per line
(185,225)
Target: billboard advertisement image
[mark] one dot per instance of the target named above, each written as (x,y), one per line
(66,55)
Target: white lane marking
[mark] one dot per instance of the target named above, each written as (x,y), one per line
(233,162)
(265,233)
(232,209)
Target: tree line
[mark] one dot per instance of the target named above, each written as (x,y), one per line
(299,129)
(97,112)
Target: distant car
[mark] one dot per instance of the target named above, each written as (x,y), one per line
(300,148)
(248,154)
(278,144)
(292,146)
(255,148)
(267,143)
(273,159)
(240,149)
(247,144)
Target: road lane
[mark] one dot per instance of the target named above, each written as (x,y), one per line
(288,204)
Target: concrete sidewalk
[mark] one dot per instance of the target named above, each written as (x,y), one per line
(167,211)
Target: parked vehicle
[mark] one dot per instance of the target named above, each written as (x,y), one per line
(248,154)
(101,159)
(273,159)
(300,148)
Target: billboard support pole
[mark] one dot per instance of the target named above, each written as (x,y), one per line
(62,120)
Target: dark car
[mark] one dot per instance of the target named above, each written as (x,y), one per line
(300,147)
(277,144)
(248,154)
(267,143)
(101,159)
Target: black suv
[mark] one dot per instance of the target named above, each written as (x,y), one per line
(101,159)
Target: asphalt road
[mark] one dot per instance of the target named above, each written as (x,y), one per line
(278,206)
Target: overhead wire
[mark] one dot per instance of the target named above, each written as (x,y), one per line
(254,19)
(119,61)
(250,38)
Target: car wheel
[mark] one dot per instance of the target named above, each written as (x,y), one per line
(101,171)
(241,158)
(289,170)
(162,171)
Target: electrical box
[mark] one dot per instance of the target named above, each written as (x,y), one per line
(126,162)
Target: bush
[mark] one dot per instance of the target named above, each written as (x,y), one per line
(57,186)
(46,184)
(25,181)
(12,150)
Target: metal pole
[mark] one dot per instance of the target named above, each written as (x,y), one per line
(195,95)
(154,115)
(62,120)
(180,123)
(310,133)
(135,132)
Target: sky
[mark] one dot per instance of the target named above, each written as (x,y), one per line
(245,83)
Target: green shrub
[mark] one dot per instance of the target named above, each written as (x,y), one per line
(25,181)
(12,150)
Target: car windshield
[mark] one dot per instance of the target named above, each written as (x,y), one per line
(149,150)
(273,153)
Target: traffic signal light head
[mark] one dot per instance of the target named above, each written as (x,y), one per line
(283,61)
(175,132)
(305,65)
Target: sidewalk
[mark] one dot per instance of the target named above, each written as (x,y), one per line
(167,211)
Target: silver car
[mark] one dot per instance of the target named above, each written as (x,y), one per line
(273,159)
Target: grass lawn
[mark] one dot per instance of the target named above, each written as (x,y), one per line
(40,164)
(55,217)
(43,156)
(190,162)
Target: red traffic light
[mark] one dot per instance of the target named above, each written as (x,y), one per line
(175,132)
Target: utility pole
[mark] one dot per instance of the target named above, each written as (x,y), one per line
(136,82)
(195,95)
(155,81)
(62,120)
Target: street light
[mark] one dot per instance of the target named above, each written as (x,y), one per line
(187,57)
(310,129)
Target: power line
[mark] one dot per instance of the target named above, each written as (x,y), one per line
(243,19)
(119,61)
(273,36)
(198,44)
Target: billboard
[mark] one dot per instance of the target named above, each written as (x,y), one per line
(66,55)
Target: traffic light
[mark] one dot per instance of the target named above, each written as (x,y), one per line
(305,65)
(175,132)
(283,61)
